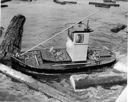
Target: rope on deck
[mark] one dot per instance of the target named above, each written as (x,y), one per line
(59,33)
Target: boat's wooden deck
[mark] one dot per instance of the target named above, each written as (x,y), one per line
(38,58)
(56,55)
(46,59)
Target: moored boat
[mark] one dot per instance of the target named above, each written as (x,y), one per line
(76,57)
(37,65)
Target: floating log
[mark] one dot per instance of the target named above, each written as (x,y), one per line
(64,2)
(118,28)
(36,85)
(45,88)
(56,1)
(4,6)
(103,4)
(113,1)
(12,38)
(83,81)
(4,1)
(70,2)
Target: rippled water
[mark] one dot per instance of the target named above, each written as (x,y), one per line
(44,19)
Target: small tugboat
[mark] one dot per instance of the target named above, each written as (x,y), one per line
(76,57)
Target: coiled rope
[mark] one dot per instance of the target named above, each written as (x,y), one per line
(59,33)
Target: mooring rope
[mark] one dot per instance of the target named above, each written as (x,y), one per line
(59,33)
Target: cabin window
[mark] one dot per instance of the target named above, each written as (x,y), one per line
(79,38)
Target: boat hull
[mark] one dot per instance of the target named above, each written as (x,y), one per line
(58,69)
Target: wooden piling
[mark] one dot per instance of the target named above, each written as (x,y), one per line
(11,43)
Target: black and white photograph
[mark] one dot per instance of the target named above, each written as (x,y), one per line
(63,50)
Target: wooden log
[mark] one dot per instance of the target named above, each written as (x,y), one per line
(4,6)
(118,28)
(4,1)
(36,85)
(109,1)
(103,4)
(56,1)
(83,81)
(63,2)
(11,43)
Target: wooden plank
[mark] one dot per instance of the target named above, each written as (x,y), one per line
(36,85)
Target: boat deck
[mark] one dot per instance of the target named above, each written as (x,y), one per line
(59,59)
(38,58)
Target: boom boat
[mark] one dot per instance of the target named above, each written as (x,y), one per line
(76,57)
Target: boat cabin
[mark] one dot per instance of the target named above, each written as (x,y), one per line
(78,46)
